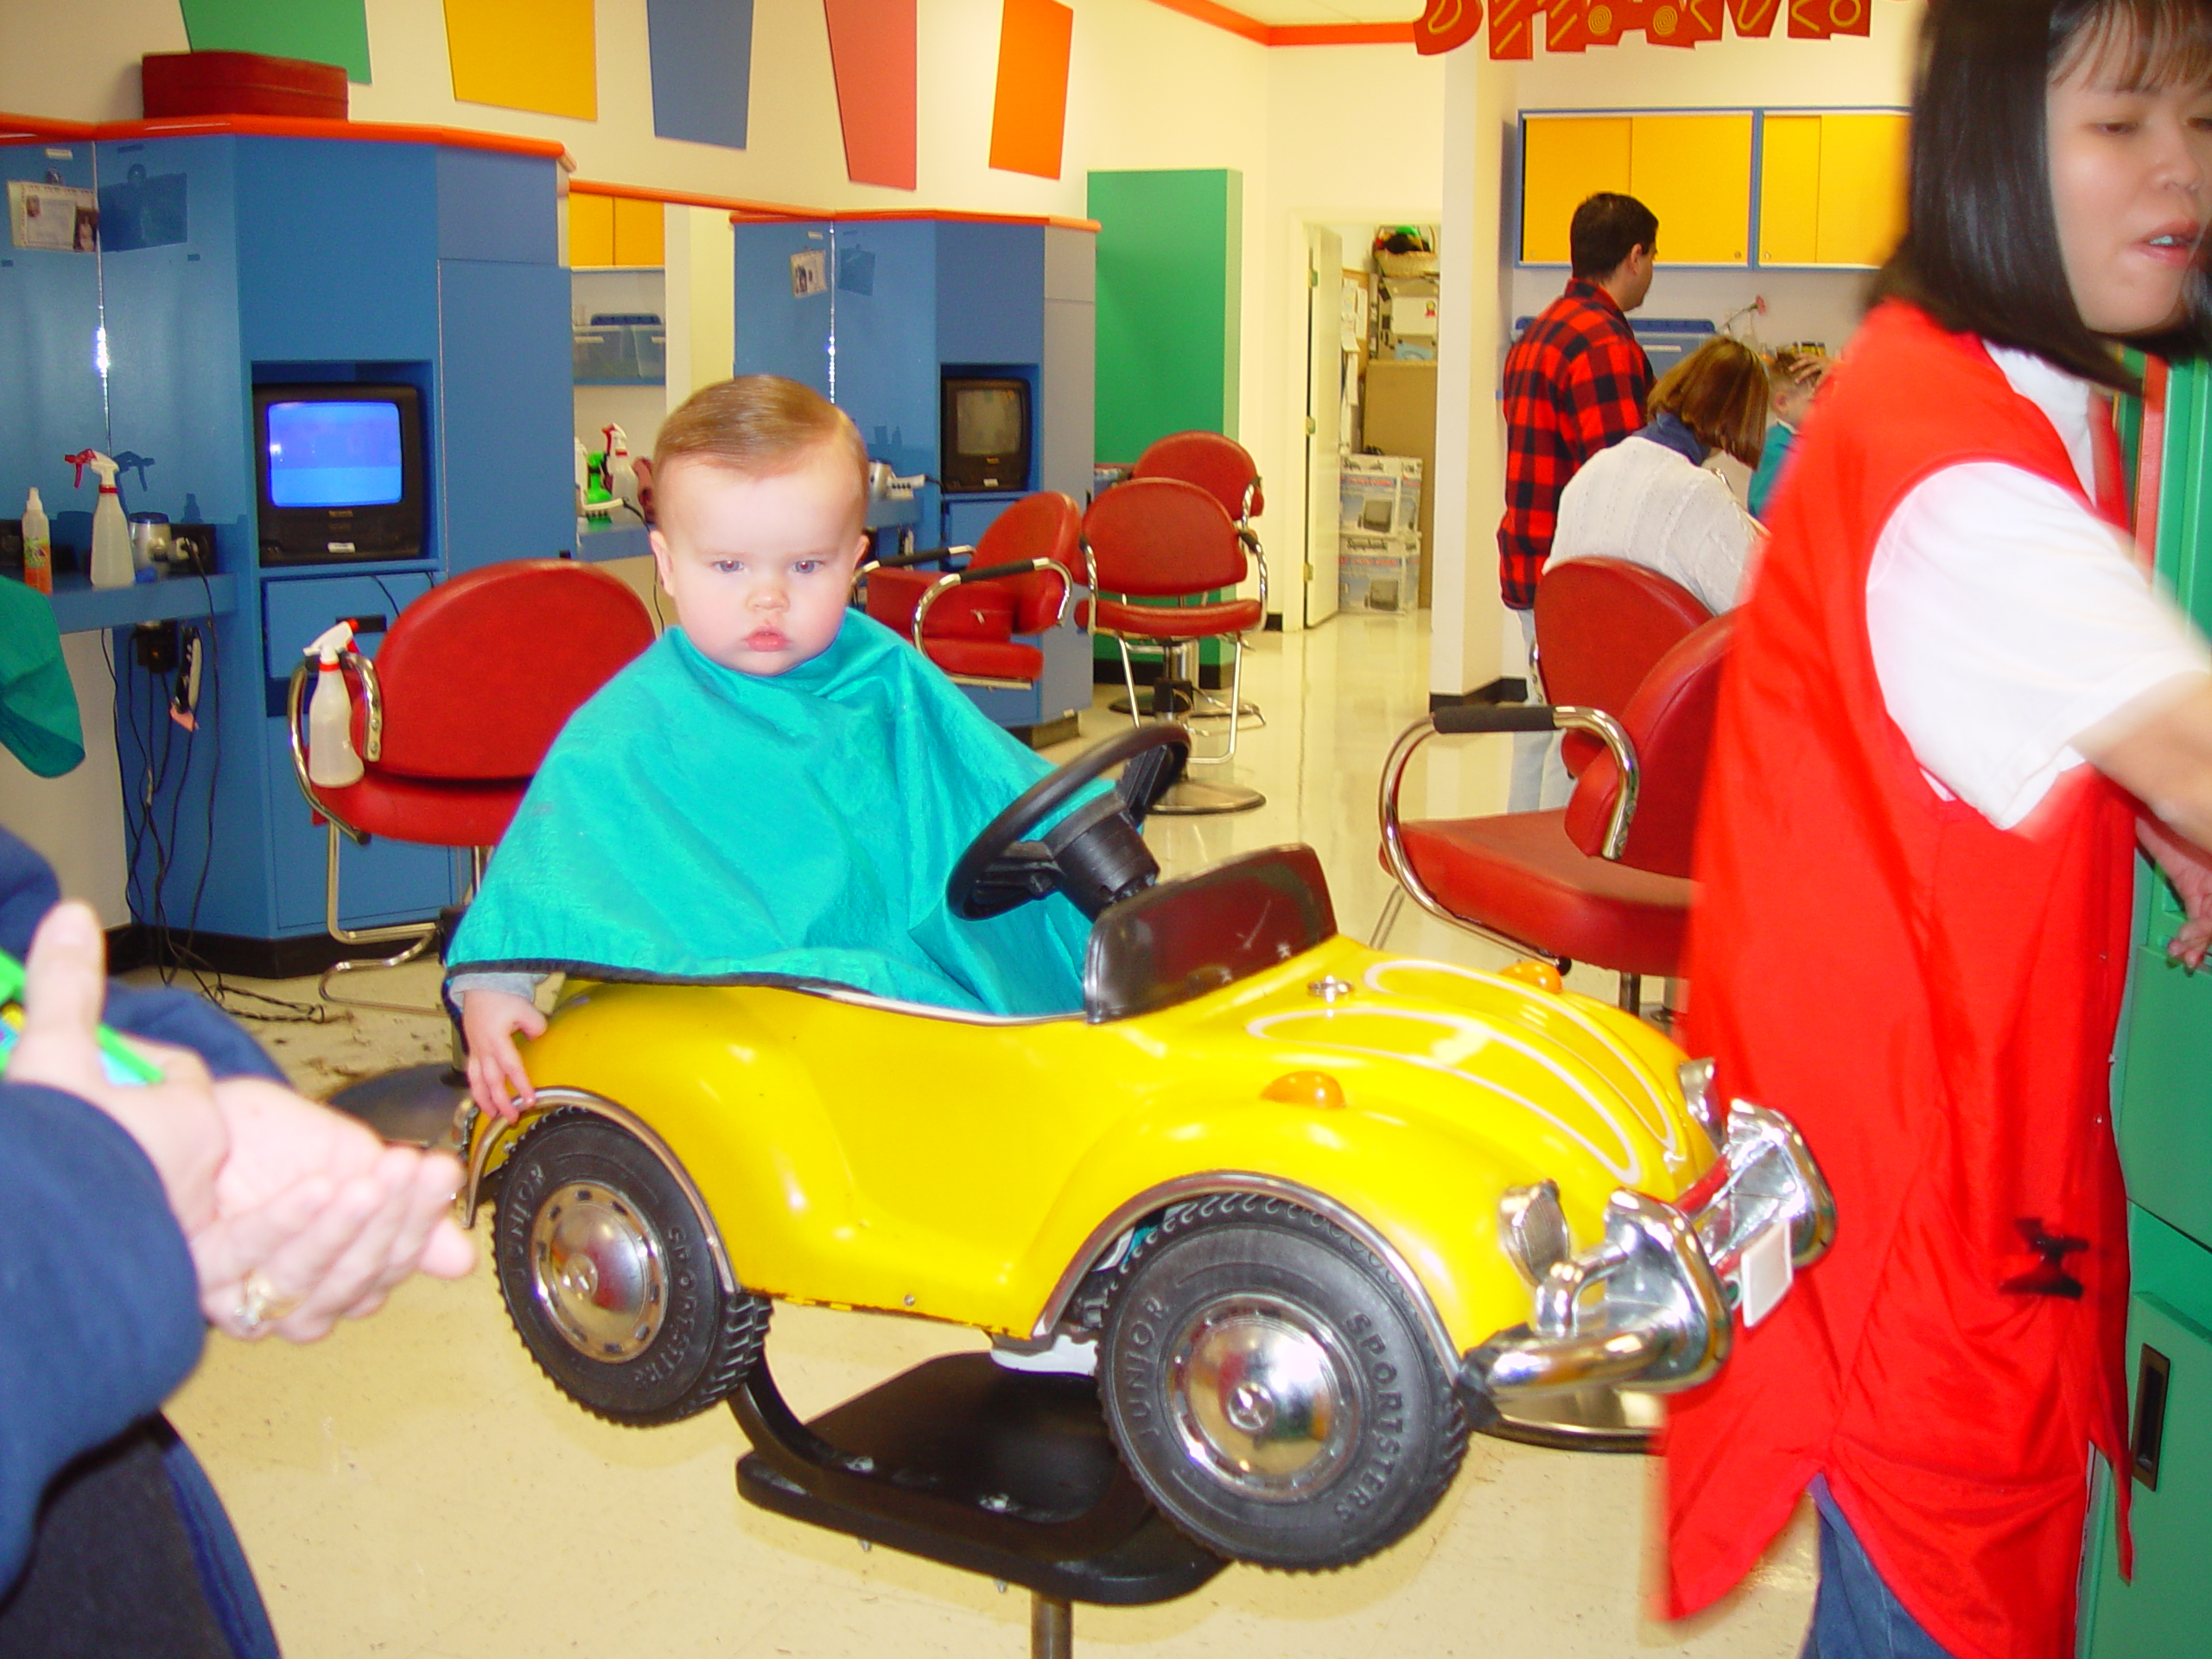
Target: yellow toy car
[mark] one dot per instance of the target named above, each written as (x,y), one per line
(1319,1208)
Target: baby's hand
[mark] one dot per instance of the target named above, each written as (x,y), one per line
(489,1019)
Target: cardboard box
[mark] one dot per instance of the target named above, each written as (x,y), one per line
(1380,495)
(1378,573)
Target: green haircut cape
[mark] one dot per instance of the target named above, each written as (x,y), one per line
(692,823)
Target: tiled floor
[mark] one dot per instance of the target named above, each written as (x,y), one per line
(413,1487)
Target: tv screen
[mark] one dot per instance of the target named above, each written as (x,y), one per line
(332,455)
(986,434)
(342,471)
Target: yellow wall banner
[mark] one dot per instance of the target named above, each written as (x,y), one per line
(525,54)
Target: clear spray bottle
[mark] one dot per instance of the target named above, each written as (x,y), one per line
(111,564)
(332,763)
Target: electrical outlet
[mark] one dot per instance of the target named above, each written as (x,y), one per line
(153,646)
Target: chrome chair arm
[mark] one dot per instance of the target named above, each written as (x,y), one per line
(295,703)
(1499,717)
(945,584)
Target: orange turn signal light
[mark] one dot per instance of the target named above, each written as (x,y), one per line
(1305,1089)
(1534,971)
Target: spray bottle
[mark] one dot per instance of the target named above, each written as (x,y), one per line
(332,763)
(111,565)
(621,474)
(38,554)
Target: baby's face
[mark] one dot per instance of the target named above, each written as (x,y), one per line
(760,566)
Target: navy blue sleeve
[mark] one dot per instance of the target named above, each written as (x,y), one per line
(98,1302)
(28,891)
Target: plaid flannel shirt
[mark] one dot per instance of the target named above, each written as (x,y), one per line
(1574,384)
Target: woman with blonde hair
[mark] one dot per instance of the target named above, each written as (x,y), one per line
(1650,498)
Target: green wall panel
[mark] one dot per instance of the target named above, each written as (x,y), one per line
(1170,269)
(321,31)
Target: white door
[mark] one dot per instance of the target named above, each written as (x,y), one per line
(1325,276)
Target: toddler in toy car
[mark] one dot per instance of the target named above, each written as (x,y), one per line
(775,791)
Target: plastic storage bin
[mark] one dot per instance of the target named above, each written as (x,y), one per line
(606,353)
(651,346)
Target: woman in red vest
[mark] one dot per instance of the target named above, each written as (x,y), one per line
(1955,708)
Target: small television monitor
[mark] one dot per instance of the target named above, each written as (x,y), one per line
(342,472)
(985,435)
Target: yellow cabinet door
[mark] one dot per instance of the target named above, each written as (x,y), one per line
(1565,160)
(639,236)
(591,230)
(1789,191)
(1694,172)
(1832,188)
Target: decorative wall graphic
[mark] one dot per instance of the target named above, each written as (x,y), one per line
(1446,24)
(321,31)
(1577,25)
(702,69)
(1029,115)
(525,54)
(871,53)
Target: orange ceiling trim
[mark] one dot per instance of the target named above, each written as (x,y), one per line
(287,126)
(827,216)
(1259,34)
(1340,34)
(736,207)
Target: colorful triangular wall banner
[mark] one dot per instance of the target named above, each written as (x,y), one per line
(872,54)
(320,31)
(701,54)
(1029,117)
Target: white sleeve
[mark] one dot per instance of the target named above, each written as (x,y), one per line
(2005,620)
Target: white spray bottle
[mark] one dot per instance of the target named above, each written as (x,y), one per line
(332,763)
(621,472)
(111,563)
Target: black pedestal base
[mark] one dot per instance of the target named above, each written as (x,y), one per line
(961,1461)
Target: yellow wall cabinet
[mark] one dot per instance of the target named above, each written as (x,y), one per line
(613,231)
(1830,185)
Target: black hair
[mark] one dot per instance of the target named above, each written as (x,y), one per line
(1980,251)
(1605,230)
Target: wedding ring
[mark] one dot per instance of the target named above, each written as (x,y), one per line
(259,1303)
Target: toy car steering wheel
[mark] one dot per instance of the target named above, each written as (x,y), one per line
(1095,854)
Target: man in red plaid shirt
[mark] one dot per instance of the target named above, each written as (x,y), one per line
(1574,383)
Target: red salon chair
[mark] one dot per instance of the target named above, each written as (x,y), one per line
(1224,469)
(1018,579)
(467,692)
(1601,624)
(1605,880)
(1159,538)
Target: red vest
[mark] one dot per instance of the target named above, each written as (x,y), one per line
(1933,1000)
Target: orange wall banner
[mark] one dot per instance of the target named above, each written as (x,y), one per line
(871,56)
(1029,115)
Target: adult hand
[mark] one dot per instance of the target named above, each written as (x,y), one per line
(175,1121)
(297,1216)
(316,1219)
(2188,867)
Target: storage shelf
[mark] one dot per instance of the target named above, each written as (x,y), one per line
(620,382)
(79,607)
(618,541)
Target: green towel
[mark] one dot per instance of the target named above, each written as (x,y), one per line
(38,706)
(694,823)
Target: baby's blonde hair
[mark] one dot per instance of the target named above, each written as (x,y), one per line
(758,425)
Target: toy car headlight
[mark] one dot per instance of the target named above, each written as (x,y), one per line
(1532,1229)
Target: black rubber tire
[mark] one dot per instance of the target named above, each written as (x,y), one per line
(1409,1432)
(707,1339)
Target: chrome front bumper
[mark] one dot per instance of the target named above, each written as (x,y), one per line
(1650,1306)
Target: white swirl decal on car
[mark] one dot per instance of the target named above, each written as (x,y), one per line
(1647,1110)
(1467,1036)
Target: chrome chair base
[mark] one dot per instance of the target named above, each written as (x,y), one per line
(413,1106)
(1190,798)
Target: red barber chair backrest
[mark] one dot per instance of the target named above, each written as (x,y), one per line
(480,673)
(1601,624)
(1669,720)
(1221,466)
(1046,525)
(1161,538)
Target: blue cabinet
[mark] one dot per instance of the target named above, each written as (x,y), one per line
(294,259)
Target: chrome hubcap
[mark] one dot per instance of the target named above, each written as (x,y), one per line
(1262,1397)
(597,1266)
